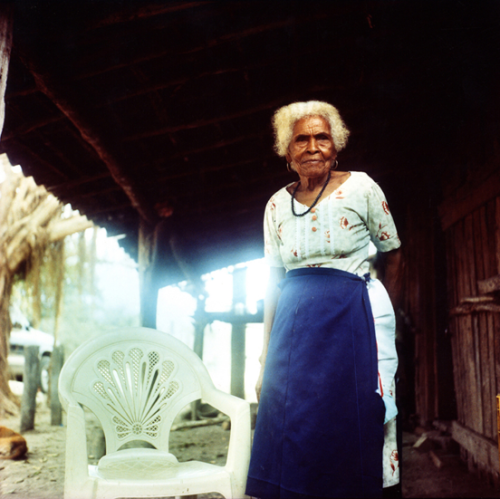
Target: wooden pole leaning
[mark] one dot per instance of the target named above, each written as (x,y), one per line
(31,380)
(57,362)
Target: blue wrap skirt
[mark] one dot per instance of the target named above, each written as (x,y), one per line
(319,430)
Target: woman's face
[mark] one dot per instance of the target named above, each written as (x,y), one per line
(311,151)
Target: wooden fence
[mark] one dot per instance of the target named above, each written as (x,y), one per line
(473,259)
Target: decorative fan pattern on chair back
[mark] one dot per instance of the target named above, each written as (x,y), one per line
(136,386)
(136,381)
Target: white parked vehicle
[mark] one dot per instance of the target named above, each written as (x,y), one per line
(23,335)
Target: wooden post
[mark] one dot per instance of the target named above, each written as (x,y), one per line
(498,424)
(56,364)
(199,337)
(238,335)
(199,326)
(149,294)
(31,380)
(6,17)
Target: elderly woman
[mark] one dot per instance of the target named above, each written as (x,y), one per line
(326,386)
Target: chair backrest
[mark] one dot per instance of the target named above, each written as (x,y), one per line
(135,380)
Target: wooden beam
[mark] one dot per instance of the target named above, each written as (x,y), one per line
(180,173)
(454,209)
(143,12)
(221,143)
(6,18)
(22,92)
(244,206)
(160,51)
(470,308)
(146,88)
(30,127)
(148,293)
(484,451)
(68,166)
(65,98)
(71,184)
(89,194)
(33,158)
(489,285)
(498,426)
(143,88)
(218,119)
(209,169)
(240,194)
(106,209)
(497,233)
(42,140)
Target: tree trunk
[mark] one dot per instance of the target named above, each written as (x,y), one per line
(9,403)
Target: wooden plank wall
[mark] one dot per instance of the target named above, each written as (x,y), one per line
(473,253)
(420,307)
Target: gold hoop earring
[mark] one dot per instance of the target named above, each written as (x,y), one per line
(335,166)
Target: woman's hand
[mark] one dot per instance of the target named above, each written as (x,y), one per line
(258,385)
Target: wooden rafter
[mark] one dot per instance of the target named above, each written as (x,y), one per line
(22,92)
(210,169)
(72,184)
(26,128)
(31,158)
(108,209)
(259,158)
(218,119)
(158,53)
(65,100)
(219,145)
(77,196)
(238,198)
(143,12)
(146,88)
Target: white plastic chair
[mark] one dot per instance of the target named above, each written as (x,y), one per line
(135,381)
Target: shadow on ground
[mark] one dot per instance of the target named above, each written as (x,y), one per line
(41,475)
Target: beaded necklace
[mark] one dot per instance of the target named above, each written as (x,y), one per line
(315,201)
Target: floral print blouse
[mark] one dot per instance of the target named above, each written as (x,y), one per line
(335,233)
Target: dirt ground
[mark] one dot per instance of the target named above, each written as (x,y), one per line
(421,478)
(41,474)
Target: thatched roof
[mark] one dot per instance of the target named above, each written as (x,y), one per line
(132,109)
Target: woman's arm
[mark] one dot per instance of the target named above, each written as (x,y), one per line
(393,275)
(270,303)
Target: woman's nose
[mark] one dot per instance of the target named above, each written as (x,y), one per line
(312,145)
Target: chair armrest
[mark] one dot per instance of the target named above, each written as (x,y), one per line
(238,456)
(228,404)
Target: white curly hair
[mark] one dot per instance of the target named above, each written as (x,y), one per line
(284,120)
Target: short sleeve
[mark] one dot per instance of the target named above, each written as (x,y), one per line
(380,223)
(271,237)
